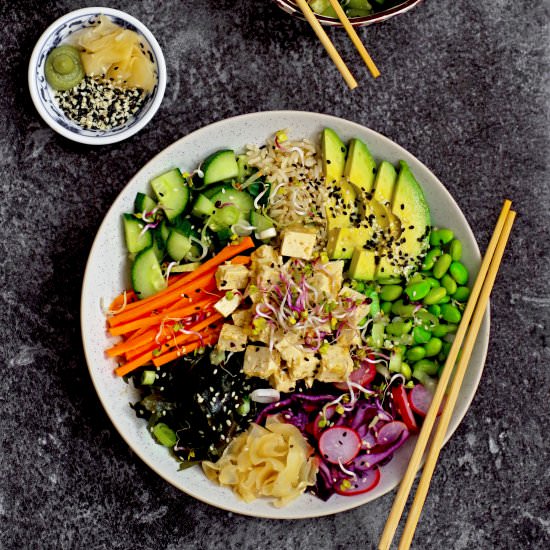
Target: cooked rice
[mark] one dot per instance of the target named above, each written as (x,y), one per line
(298,192)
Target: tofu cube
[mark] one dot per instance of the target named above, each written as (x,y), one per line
(305,367)
(232,277)
(242,318)
(260,361)
(336,364)
(232,338)
(226,306)
(298,244)
(282,381)
(264,255)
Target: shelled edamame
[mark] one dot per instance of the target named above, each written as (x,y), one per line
(415,320)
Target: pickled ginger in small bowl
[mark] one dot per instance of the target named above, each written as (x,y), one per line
(97,76)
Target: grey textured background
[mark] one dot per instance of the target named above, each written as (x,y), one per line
(464,87)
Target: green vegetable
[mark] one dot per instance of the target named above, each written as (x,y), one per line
(442,265)
(435,295)
(455,250)
(63,68)
(390,293)
(450,313)
(458,272)
(462,294)
(164,435)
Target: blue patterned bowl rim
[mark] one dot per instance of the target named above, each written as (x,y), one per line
(43,95)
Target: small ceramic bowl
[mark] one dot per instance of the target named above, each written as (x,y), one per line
(290,7)
(43,94)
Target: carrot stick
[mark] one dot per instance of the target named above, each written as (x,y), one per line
(188,348)
(163,299)
(241,260)
(182,311)
(127,345)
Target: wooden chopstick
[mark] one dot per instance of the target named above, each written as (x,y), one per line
(355,38)
(441,430)
(328,45)
(429,421)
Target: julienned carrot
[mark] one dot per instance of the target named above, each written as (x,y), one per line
(170,313)
(241,260)
(172,342)
(163,299)
(128,295)
(188,348)
(127,345)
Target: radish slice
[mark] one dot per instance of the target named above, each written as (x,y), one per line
(420,399)
(363,482)
(391,432)
(363,376)
(339,444)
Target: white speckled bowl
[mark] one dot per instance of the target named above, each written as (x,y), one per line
(107,275)
(43,95)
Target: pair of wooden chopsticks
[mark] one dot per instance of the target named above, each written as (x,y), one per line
(472,317)
(329,46)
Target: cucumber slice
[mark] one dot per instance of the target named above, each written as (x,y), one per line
(147,276)
(178,245)
(143,203)
(224,217)
(164,232)
(135,240)
(172,192)
(260,222)
(244,169)
(203,207)
(219,166)
(240,199)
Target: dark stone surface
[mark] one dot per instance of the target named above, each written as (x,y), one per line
(464,87)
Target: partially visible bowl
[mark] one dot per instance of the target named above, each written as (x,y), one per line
(290,7)
(43,94)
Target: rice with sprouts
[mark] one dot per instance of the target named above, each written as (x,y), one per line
(294,170)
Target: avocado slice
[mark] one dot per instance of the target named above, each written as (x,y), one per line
(360,165)
(410,206)
(343,240)
(363,265)
(340,207)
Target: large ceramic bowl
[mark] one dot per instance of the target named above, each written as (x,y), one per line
(42,93)
(107,274)
(399,7)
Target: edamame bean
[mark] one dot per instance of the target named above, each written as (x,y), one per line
(421,335)
(435,310)
(416,278)
(449,284)
(445,349)
(441,236)
(386,307)
(435,295)
(416,353)
(406,371)
(418,290)
(440,331)
(455,250)
(389,281)
(442,265)
(426,366)
(433,347)
(398,328)
(426,317)
(450,313)
(462,294)
(430,258)
(390,293)
(399,308)
(432,281)
(444,300)
(458,272)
